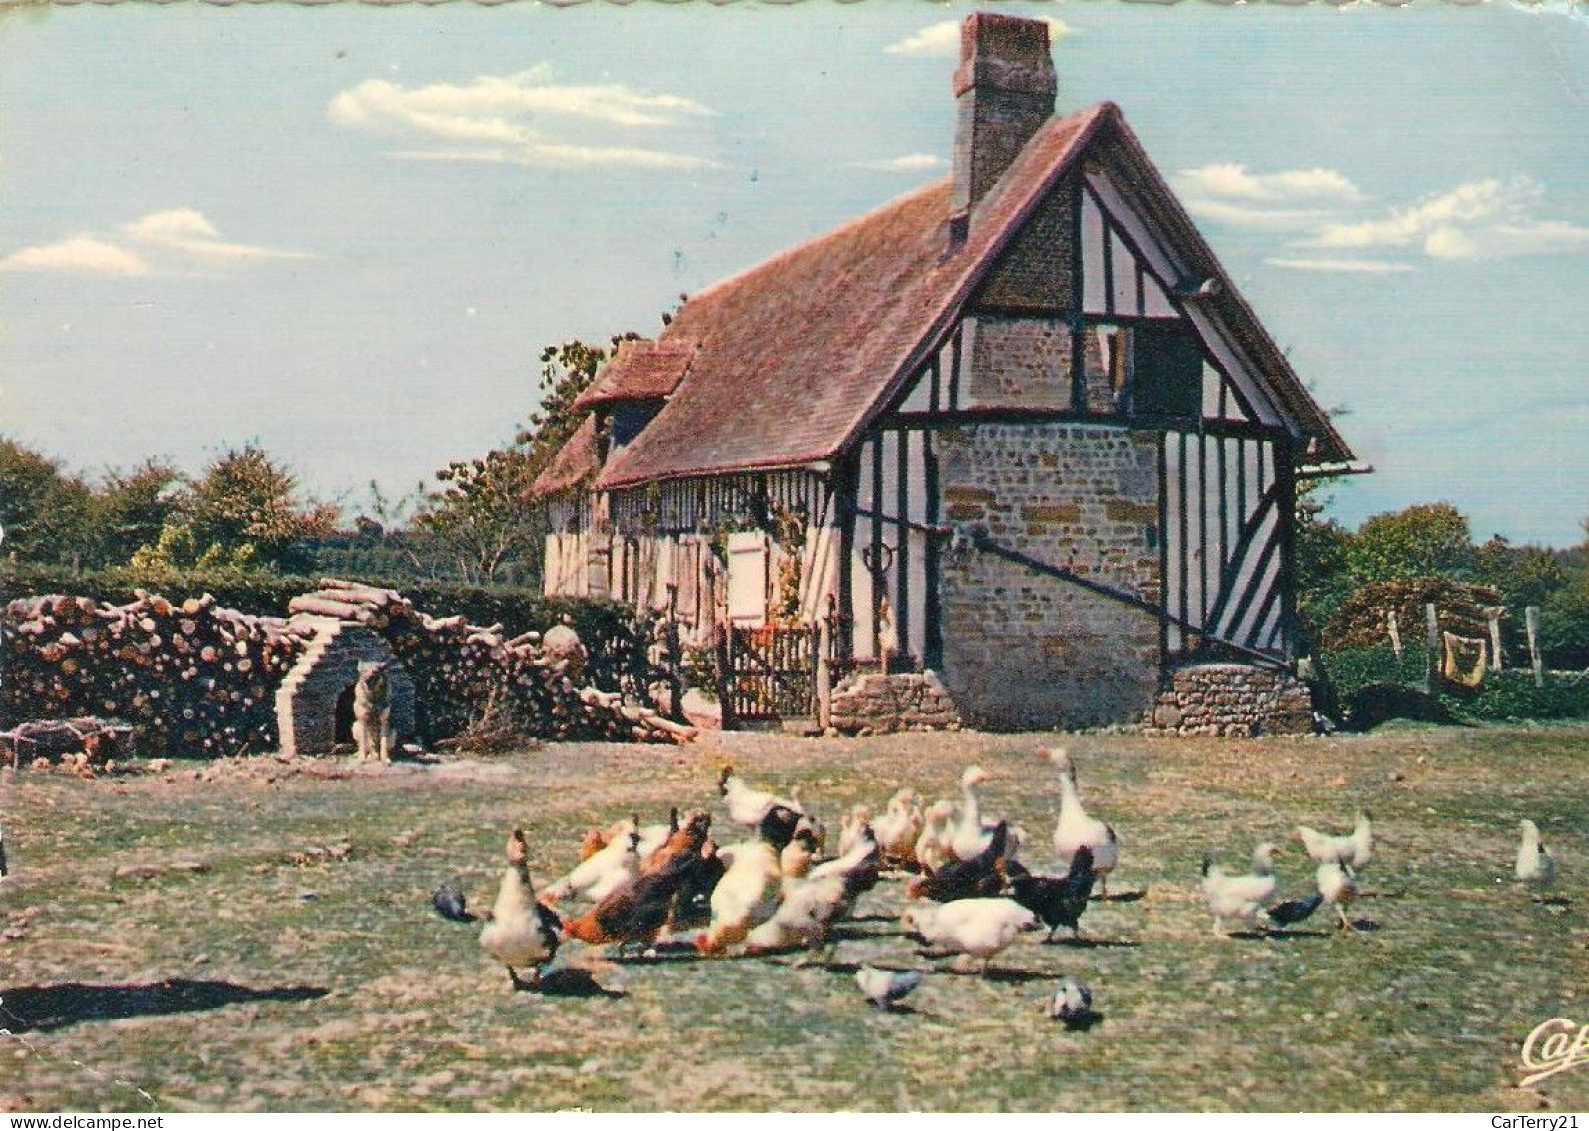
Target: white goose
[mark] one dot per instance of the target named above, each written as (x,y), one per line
(971,833)
(1536,867)
(1076,828)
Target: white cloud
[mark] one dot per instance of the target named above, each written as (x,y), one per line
(79,255)
(1487,219)
(1289,186)
(909,163)
(1349,266)
(943,39)
(188,230)
(490,119)
(1291,199)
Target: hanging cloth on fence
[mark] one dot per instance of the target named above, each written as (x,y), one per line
(1464,660)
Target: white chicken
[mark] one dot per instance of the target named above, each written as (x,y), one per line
(1077,828)
(1536,867)
(1240,897)
(813,903)
(747,806)
(744,898)
(934,847)
(604,872)
(1338,885)
(1355,848)
(522,933)
(900,827)
(973,928)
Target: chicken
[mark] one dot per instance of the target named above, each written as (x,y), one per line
(885,988)
(973,928)
(693,907)
(809,905)
(1356,848)
(1076,828)
(1536,867)
(933,847)
(749,892)
(605,870)
(747,806)
(982,875)
(685,838)
(1072,1004)
(639,910)
(1240,897)
(1059,901)
(898,829)
(523,933)
(1337,887)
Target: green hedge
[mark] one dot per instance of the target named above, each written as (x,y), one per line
(1369,684)
(617,642)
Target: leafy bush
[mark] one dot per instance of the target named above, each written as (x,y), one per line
(1370,684)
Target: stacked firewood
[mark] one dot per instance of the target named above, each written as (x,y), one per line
(194,679)
(187,676)
(466,676)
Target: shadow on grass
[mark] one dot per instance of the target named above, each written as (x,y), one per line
(573,982)
(1084,1022)
(26,1009)
(1121,897)
(1085,943)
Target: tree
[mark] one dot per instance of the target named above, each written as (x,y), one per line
(1525,575)
(45,512)
(1425,540)
(1321,545)
(131,509)
(243,510)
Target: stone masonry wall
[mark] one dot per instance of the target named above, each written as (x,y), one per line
(1023,650)
(1232,700)
(873,703)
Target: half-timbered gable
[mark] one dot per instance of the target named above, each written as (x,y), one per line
(1017,427)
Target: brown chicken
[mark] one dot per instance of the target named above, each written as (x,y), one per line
(638,911)
(982,876)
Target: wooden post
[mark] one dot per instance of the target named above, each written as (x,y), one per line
(824,674)
(1395,634)
(1532,616)
(1431,647)
(725,676)
(1493,614)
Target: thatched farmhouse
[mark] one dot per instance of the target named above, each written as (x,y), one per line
(1017,428)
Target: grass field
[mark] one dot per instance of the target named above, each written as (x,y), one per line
(261,938)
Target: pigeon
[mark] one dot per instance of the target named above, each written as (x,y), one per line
(1072,1004)
(1293,911)
(885,987)
(449,904)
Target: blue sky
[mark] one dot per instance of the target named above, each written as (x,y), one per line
(346,231)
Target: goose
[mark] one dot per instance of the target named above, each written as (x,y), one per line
(971,833)
(898,829)
(1240,897)
(1076,828)
(933,847)
(522,932)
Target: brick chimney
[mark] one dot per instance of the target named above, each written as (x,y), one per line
(1004,91)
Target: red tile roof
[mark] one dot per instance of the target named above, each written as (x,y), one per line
(796,357)
(575,463)
(640,370)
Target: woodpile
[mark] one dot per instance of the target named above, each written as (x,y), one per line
(466,676)
(187,676)
(1362,620)
(194,679)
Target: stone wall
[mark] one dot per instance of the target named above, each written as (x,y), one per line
(306,701)
(1232,700)
(1026,651)
(873,703)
